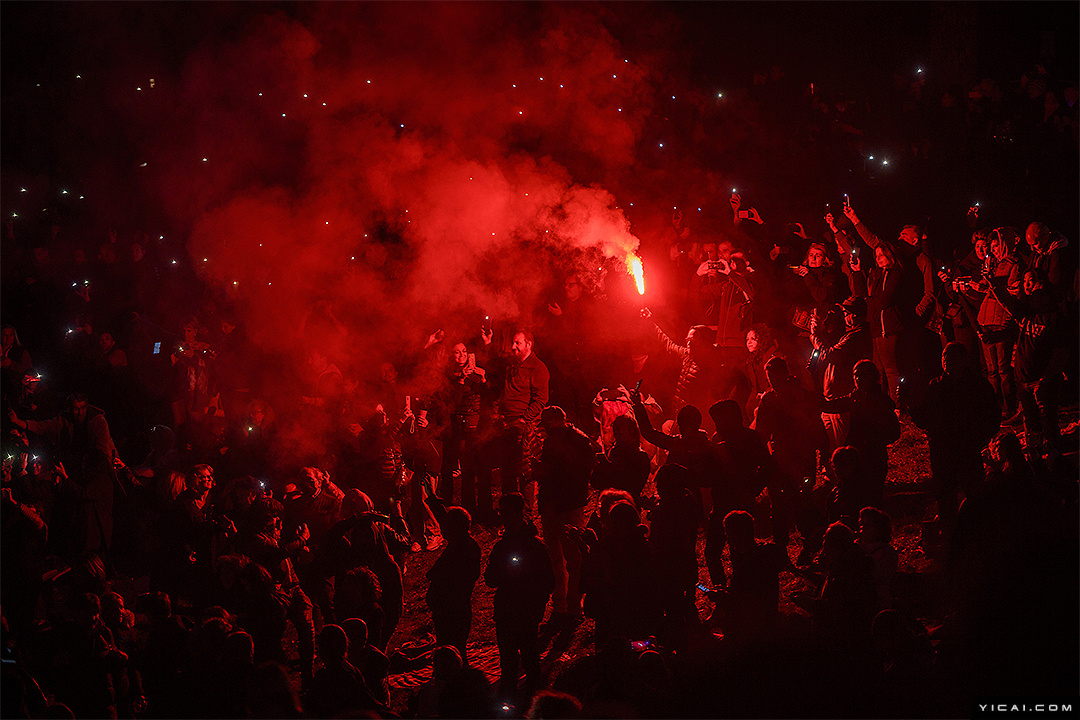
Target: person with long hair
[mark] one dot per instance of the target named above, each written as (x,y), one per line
(880,285)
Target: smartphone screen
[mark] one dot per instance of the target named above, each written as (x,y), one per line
(157,348)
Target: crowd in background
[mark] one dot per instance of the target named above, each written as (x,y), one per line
(752,406)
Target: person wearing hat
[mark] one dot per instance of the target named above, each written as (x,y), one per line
(839,361)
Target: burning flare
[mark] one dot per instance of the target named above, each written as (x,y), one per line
(633,264)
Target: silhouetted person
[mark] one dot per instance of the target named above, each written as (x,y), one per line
(788,420)
(960,414)
(741,469)
(520,571)
(338,687)
(562,478)
(625,466)
(445,664)
(673,535)
(453,576)
(874,426)
(749,608)
(368,659)
(875,538)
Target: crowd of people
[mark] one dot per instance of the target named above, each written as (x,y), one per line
(175,511)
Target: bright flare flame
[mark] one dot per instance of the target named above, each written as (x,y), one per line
(633,264)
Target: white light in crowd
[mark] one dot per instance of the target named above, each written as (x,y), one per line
(368,82)
(282,114)
(260,244)
(63,192)
(513,86)
(160,237)
(80,197)
(235,283)
(884,162)
(353,257)
(23,190)
(327,222)
(260,94)
(520,112)
(626,61)
(699,209)
(78,77)
(401,126)
(143,165)
(620,109)
(541,79)
(173,262)
(204,260)
(151,82)
(305,94)
(139,89)
(14,215)
(919,71)
(719,95)
(204,159)
(613,77)
(871,157)
(661,144)
(324,104)
(269,283)
(561,85)
(631,204)
(672,97)
(492,233)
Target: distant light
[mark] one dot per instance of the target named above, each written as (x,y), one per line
(260,94)
(305,94)
(143,165)
(620,109)
(269,283)
(871,157)
(513,86)
(204,260)
(63,192)
(672,97)
(235,283)
(80,197)
(561,85)
(204,159)
(541,79)
(401,126)
(23,190)
(661,144)
(520,112)
(919,71)
(613,77)
(260,244)
(626,61)
(884,162)
(719,95)
(631,204)
(173,262)
(282,114)
(160,237)
(699,209)
(493,234)
(368,82)
(139,89)
(324,104)
(78,77)
(14,215)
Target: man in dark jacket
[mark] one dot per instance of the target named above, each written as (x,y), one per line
(520,571)
(453,576)
(524,395)
(562,479)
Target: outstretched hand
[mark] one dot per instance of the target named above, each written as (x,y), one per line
(849,212)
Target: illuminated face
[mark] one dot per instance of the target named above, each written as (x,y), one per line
(310,481)
(204,480)
(981,248)
(78,410)
(190,331)
(752,342)
(909,236)
(521,347)
(815,258)
(460,354)
(724,250)
(1031,283)
(998,247)
(107,343)
(881,258)
(709,249)
(573,288)
(388,372)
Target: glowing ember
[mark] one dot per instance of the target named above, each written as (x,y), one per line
(633,264)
